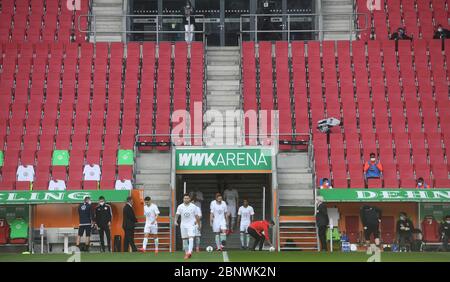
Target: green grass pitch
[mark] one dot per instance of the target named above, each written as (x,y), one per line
(233,256)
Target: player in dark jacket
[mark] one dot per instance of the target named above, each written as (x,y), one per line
(102,218)
(371,218)
(322,222)
(85,217)
(405,228)
(445,232)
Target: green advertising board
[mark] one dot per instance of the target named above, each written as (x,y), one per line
(385,195)
(223,160)
(60,197)
(1,158)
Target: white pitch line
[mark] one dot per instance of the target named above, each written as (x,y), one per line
(225,257)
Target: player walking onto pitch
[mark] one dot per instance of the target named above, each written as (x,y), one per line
(198,228)
(231,196)
(245,217)
(151,213)
(189,217)
(218,221)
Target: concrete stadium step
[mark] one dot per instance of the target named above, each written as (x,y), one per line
(332,19)
(295,181)
(153,176)
(108,22)
(223,94)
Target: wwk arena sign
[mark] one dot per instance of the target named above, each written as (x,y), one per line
(223,160)
(386,195)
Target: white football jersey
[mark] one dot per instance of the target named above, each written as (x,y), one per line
(92,172)
(57,185)
(25,173)
(246,213)
(187,213)
(219,210)
(125,185)
(231,196)
(150,213)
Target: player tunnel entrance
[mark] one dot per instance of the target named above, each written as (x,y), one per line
(254,187)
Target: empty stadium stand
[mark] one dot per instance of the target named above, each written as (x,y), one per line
(420,18)
(89,99)
(401,122)
(43,20)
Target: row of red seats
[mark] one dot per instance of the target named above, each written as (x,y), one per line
(420,17)
(404,123)
(43,20)
(84,98)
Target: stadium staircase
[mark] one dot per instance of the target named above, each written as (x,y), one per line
(331,20)
(107,23)
(249,187)
(297,228)
(153,176)
(223,96)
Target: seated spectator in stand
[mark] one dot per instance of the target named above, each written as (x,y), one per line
(325,184)
(441,33)
(400,34)
(445,232)
(421,183)
(373,168)
(404,232)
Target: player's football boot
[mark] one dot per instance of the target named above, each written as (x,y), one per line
(142,250)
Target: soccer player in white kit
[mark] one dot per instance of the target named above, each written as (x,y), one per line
(198,228)
(218,220)
(189,217)
(245,217)
(151,213)
(231,196)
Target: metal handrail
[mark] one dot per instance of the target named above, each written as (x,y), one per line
(157,21)
(286,28)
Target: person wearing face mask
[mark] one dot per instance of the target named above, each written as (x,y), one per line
(373,168)
(325,184)
(102,218)
(441,33)
(400,34)
(85,219)
(404,232)
(445,232)
(421,184)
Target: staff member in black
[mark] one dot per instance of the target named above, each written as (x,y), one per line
(102,218)
(371,218)
(129,221)
(445,233)
(405,228)
(85,219)
(322,222)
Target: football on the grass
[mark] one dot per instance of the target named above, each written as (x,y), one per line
(271,249)
(209,249)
